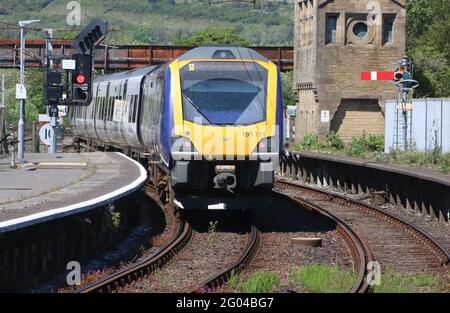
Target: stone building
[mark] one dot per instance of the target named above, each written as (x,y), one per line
(335,40)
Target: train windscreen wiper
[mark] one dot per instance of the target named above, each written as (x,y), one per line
(197,109)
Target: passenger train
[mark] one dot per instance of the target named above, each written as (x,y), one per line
(208,125)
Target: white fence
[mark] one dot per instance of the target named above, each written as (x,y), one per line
(428,125)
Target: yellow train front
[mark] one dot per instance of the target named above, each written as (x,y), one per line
(225,114)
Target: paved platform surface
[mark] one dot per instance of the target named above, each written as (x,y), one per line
(48,186)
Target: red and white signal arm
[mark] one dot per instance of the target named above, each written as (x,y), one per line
(377,75)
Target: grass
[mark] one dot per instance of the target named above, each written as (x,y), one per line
(258,282)
(394,282)
(372,147)
(323,279)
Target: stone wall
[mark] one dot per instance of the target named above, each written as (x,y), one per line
(334,69)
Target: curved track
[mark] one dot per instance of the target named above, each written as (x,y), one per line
(393,242)
(218,280)
(359,249)
(144,267)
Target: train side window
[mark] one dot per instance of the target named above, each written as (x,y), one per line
(110,104)
(111,108)
(104,109)
(135,108)
(131,109)
(130,117)
(99,109)
(111,99)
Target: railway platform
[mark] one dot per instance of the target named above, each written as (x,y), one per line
(48,187)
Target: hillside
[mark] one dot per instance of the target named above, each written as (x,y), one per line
(160,21)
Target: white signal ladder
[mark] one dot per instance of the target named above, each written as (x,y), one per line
(399,129)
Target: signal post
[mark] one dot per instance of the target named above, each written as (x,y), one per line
(69,79)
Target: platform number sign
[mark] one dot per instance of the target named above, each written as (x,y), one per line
(53,111)
(325,116)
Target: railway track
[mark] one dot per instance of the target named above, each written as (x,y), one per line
(219,279)
(358,247)
(392,241)
(145,267)
(148,266)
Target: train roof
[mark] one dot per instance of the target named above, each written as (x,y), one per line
(222,52)
(141,71)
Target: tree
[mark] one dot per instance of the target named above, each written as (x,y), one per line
(287,80)
(427,43)
(216,36)
(35,103)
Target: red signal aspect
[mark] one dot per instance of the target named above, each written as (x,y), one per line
(80,79)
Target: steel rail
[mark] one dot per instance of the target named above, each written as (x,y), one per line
(420,234)
(359,249)
(145,267)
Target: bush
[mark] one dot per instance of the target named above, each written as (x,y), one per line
(364,144)
(310,142)
(375,143)
(333,141)
(445,166)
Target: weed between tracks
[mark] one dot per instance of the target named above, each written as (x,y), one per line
(259,282)
(212,232)
(323,279)
(394,282)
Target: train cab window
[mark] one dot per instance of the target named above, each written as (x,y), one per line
(224,93)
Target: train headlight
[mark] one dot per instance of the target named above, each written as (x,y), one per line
(225,169)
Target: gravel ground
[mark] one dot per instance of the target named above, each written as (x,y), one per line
(278,225)
(210,250)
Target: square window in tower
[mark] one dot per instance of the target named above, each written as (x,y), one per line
(331,28)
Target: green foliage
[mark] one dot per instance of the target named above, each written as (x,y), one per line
(214,36)
(394,282)
(310,142)
(162,21)
(233,281)
(333,141)
(260,282)
(372,147)
(363,144)
(434,159)
(35,103)
(427,42)
(324,278)
(287,81)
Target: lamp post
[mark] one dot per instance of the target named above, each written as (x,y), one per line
(21,126)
